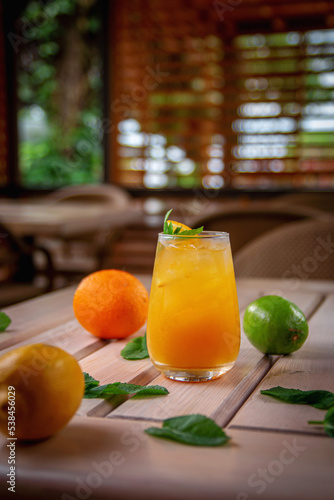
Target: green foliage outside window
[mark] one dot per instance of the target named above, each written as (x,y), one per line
(59,91)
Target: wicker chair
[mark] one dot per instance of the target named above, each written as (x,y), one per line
(246,223)
(321,201)
(26,271)
(106,194)
(296,251)
(74,257)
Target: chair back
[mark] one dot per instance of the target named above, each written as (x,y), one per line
(247,223)
(105,194)
(296,251)
(321,201)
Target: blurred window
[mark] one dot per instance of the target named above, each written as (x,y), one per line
(215,97)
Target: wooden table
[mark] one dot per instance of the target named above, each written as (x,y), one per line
(103,452)
(63,220)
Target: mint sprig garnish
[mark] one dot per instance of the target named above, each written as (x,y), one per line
(135,349)
(197,430)
(5,321)
(318,399)
(93,389)
(169,229)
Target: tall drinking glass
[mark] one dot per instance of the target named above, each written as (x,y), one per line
(193,328)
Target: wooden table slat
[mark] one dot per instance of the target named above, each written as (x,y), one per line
(273,452)
(120,369)
(309,368)
(221,398)
(37,315)
(69,336)
(108,366)
(205,398)
(103,458)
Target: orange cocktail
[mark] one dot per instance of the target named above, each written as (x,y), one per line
(193,330)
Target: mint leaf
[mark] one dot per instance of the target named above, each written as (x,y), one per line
(5,321)
(190,232)
(328,422)
(319,399)
(196,430)
(136,349)
(90,382)
(119,388)
(170,228)
(94,390)
(166,226)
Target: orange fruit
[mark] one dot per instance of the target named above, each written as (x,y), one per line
(111,304)
(44,385)
(178,224)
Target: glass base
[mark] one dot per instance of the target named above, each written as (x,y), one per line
(193,375)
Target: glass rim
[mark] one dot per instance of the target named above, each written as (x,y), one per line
(203,234)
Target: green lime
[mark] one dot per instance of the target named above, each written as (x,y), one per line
(275,325)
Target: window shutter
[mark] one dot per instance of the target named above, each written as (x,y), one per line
(222,95)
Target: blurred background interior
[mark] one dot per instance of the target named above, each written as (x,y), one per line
(113,112)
